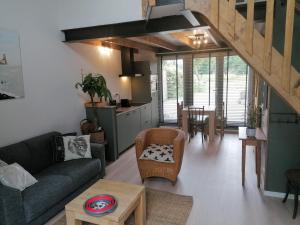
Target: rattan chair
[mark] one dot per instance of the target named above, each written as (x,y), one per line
(160,136)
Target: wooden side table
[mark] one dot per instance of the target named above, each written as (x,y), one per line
(252,141)
(131,198)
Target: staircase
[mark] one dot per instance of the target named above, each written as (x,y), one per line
(253,47)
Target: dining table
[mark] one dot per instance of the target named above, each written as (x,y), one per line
(209,111)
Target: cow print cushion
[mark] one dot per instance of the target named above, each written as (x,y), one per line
(159,153)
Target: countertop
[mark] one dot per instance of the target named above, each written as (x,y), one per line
(121,110)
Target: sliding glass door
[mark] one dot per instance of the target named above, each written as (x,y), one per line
(235,90)
(204,79)
(172,88)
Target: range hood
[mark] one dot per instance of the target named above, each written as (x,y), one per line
(127,60)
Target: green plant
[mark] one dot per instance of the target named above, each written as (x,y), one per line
(94,84)
(253,117)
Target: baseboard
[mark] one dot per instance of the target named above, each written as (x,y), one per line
(276,194)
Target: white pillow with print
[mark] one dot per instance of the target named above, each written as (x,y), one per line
(15,176)
(77,147)
(2,163)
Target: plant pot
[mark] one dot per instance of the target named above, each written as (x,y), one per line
(95,104)
(251,132)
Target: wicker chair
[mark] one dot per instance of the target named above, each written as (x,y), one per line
(161,136)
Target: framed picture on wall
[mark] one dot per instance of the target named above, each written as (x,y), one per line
(11,77)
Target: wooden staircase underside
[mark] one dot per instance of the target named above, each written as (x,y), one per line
(253,47)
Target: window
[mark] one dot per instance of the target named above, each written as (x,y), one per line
(204,79)
(172,86)
(235,90)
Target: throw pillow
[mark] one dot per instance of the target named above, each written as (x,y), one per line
(15,176)
(77,147)
(58,147)
(2,163)
(159,153)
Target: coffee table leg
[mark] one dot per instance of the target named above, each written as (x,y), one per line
(71,219)
(140,211)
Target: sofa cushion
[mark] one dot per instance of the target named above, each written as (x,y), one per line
(79,170)
(48,191)
(41,149)
(17,153)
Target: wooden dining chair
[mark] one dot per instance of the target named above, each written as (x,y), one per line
(220,122)
(196,121)
(179,114)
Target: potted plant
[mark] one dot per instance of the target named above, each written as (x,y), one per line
(94,84)
(252,121)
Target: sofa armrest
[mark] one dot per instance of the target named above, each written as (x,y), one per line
(11,206)
(98,152)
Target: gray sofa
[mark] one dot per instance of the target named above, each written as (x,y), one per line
(58,183)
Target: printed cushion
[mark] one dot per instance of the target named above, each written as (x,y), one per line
(77,147)
(159,153)
(58,146)
(2,163)
(15,176)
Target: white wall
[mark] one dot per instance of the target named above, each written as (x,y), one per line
(80,13)
(50,70)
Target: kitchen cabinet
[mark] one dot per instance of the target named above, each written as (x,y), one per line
(146,120)
(128,126)
(154,110)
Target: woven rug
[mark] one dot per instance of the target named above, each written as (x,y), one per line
(163,208)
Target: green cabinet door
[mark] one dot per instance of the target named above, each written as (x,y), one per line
(146,117)
(123,128)
(135,124)
(154,110)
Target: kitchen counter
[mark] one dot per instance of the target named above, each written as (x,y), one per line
(121,110)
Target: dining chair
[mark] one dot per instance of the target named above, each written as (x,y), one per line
(196,121)
(220,121)
(179,114)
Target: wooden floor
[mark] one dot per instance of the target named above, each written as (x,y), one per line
(212,175)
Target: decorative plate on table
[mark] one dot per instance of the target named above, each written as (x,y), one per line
(100,205)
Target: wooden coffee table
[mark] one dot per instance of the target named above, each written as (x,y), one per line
(131,198)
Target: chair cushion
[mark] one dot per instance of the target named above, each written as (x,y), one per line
(79,170)
(159,153)
(48,191)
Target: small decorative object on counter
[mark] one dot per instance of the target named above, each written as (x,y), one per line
(100,205)
(89,128)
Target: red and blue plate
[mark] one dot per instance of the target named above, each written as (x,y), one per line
(100,205)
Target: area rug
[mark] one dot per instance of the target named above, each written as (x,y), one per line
(163,208)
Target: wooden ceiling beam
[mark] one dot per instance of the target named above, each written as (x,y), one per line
(184,39)
(155,41)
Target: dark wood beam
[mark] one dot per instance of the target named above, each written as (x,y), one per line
(131,29)
(131,44)
(155,41)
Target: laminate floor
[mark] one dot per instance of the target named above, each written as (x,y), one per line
(211,173)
